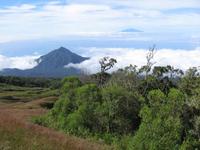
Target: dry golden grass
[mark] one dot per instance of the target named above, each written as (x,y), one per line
(17,132)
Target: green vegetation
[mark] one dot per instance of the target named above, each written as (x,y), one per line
(31,82)
(11,93)
(150,108)
(21,89)
(18,104)
(147,108)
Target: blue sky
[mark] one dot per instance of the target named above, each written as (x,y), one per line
(34,27)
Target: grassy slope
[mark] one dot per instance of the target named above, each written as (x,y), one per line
(10,94)
(20,135)
(17,106)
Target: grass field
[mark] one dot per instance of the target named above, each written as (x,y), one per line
(17,106)
(10,94)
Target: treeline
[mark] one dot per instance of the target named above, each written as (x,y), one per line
(31,82)
(147,108)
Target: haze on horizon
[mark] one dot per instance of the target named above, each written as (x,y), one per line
(123,29)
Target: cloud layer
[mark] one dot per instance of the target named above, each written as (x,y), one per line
(92,18)
(179,58)
(183,59)
(25,62)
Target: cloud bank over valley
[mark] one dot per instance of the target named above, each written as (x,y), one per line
(23,62)
(179,58)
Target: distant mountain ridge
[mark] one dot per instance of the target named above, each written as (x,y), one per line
(50,65)
(131,30)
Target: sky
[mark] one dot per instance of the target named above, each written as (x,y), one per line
(31,28)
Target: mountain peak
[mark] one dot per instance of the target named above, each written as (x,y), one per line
(131,30)
(56,60)
(51,65)
(59,53)
(61,49)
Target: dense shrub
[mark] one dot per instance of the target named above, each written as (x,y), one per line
(132,111)
(161,126)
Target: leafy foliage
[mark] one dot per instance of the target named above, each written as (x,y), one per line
(158,109)
(161,123)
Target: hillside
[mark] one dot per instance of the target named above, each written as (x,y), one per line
(17,107)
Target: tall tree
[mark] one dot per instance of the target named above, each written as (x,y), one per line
(106,63)
(149,58)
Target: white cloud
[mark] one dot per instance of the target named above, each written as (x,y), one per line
(156,4)
(57,19)
(24,62)
(125,56)
(179,58)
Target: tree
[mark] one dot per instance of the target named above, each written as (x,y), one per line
(159,71)
(193,72)
(127,78)
(106,63)
(149,57)
(144,70)
(119,110)
(173,73)
(161,126)
(191,121)
(69,84)
(190,81)
(84,119)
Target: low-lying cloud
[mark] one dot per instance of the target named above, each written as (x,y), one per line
(179,58)
(24,62)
